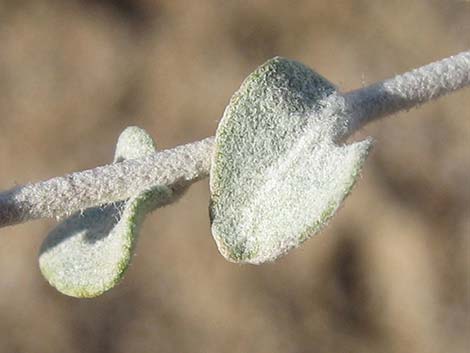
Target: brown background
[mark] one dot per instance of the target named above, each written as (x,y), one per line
(391,273)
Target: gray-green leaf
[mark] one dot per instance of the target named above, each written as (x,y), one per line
(88,253)
(277,174)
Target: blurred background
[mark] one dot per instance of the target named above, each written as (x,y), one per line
(391,273)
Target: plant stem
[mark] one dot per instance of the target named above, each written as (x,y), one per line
(178,167)
(407,90)
(186,164)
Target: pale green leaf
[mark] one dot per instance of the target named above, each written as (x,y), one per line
(277,174)
(88,253)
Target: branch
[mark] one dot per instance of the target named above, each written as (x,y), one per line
(181,166)
(178,167)
(408,90)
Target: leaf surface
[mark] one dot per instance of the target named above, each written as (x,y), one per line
(277,174)
(88,253)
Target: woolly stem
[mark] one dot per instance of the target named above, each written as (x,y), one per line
(183,165)
(407,90)
(178,167)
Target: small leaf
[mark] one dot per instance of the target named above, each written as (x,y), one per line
(88,253)
(277,175)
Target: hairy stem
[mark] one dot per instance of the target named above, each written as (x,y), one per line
(407,90)
(183,165)
(56,197)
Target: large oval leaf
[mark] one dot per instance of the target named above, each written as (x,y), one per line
(277,174)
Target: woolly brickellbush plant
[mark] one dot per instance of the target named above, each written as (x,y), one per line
(279,169)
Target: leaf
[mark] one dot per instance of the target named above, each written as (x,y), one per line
(277,175)
(88,253)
